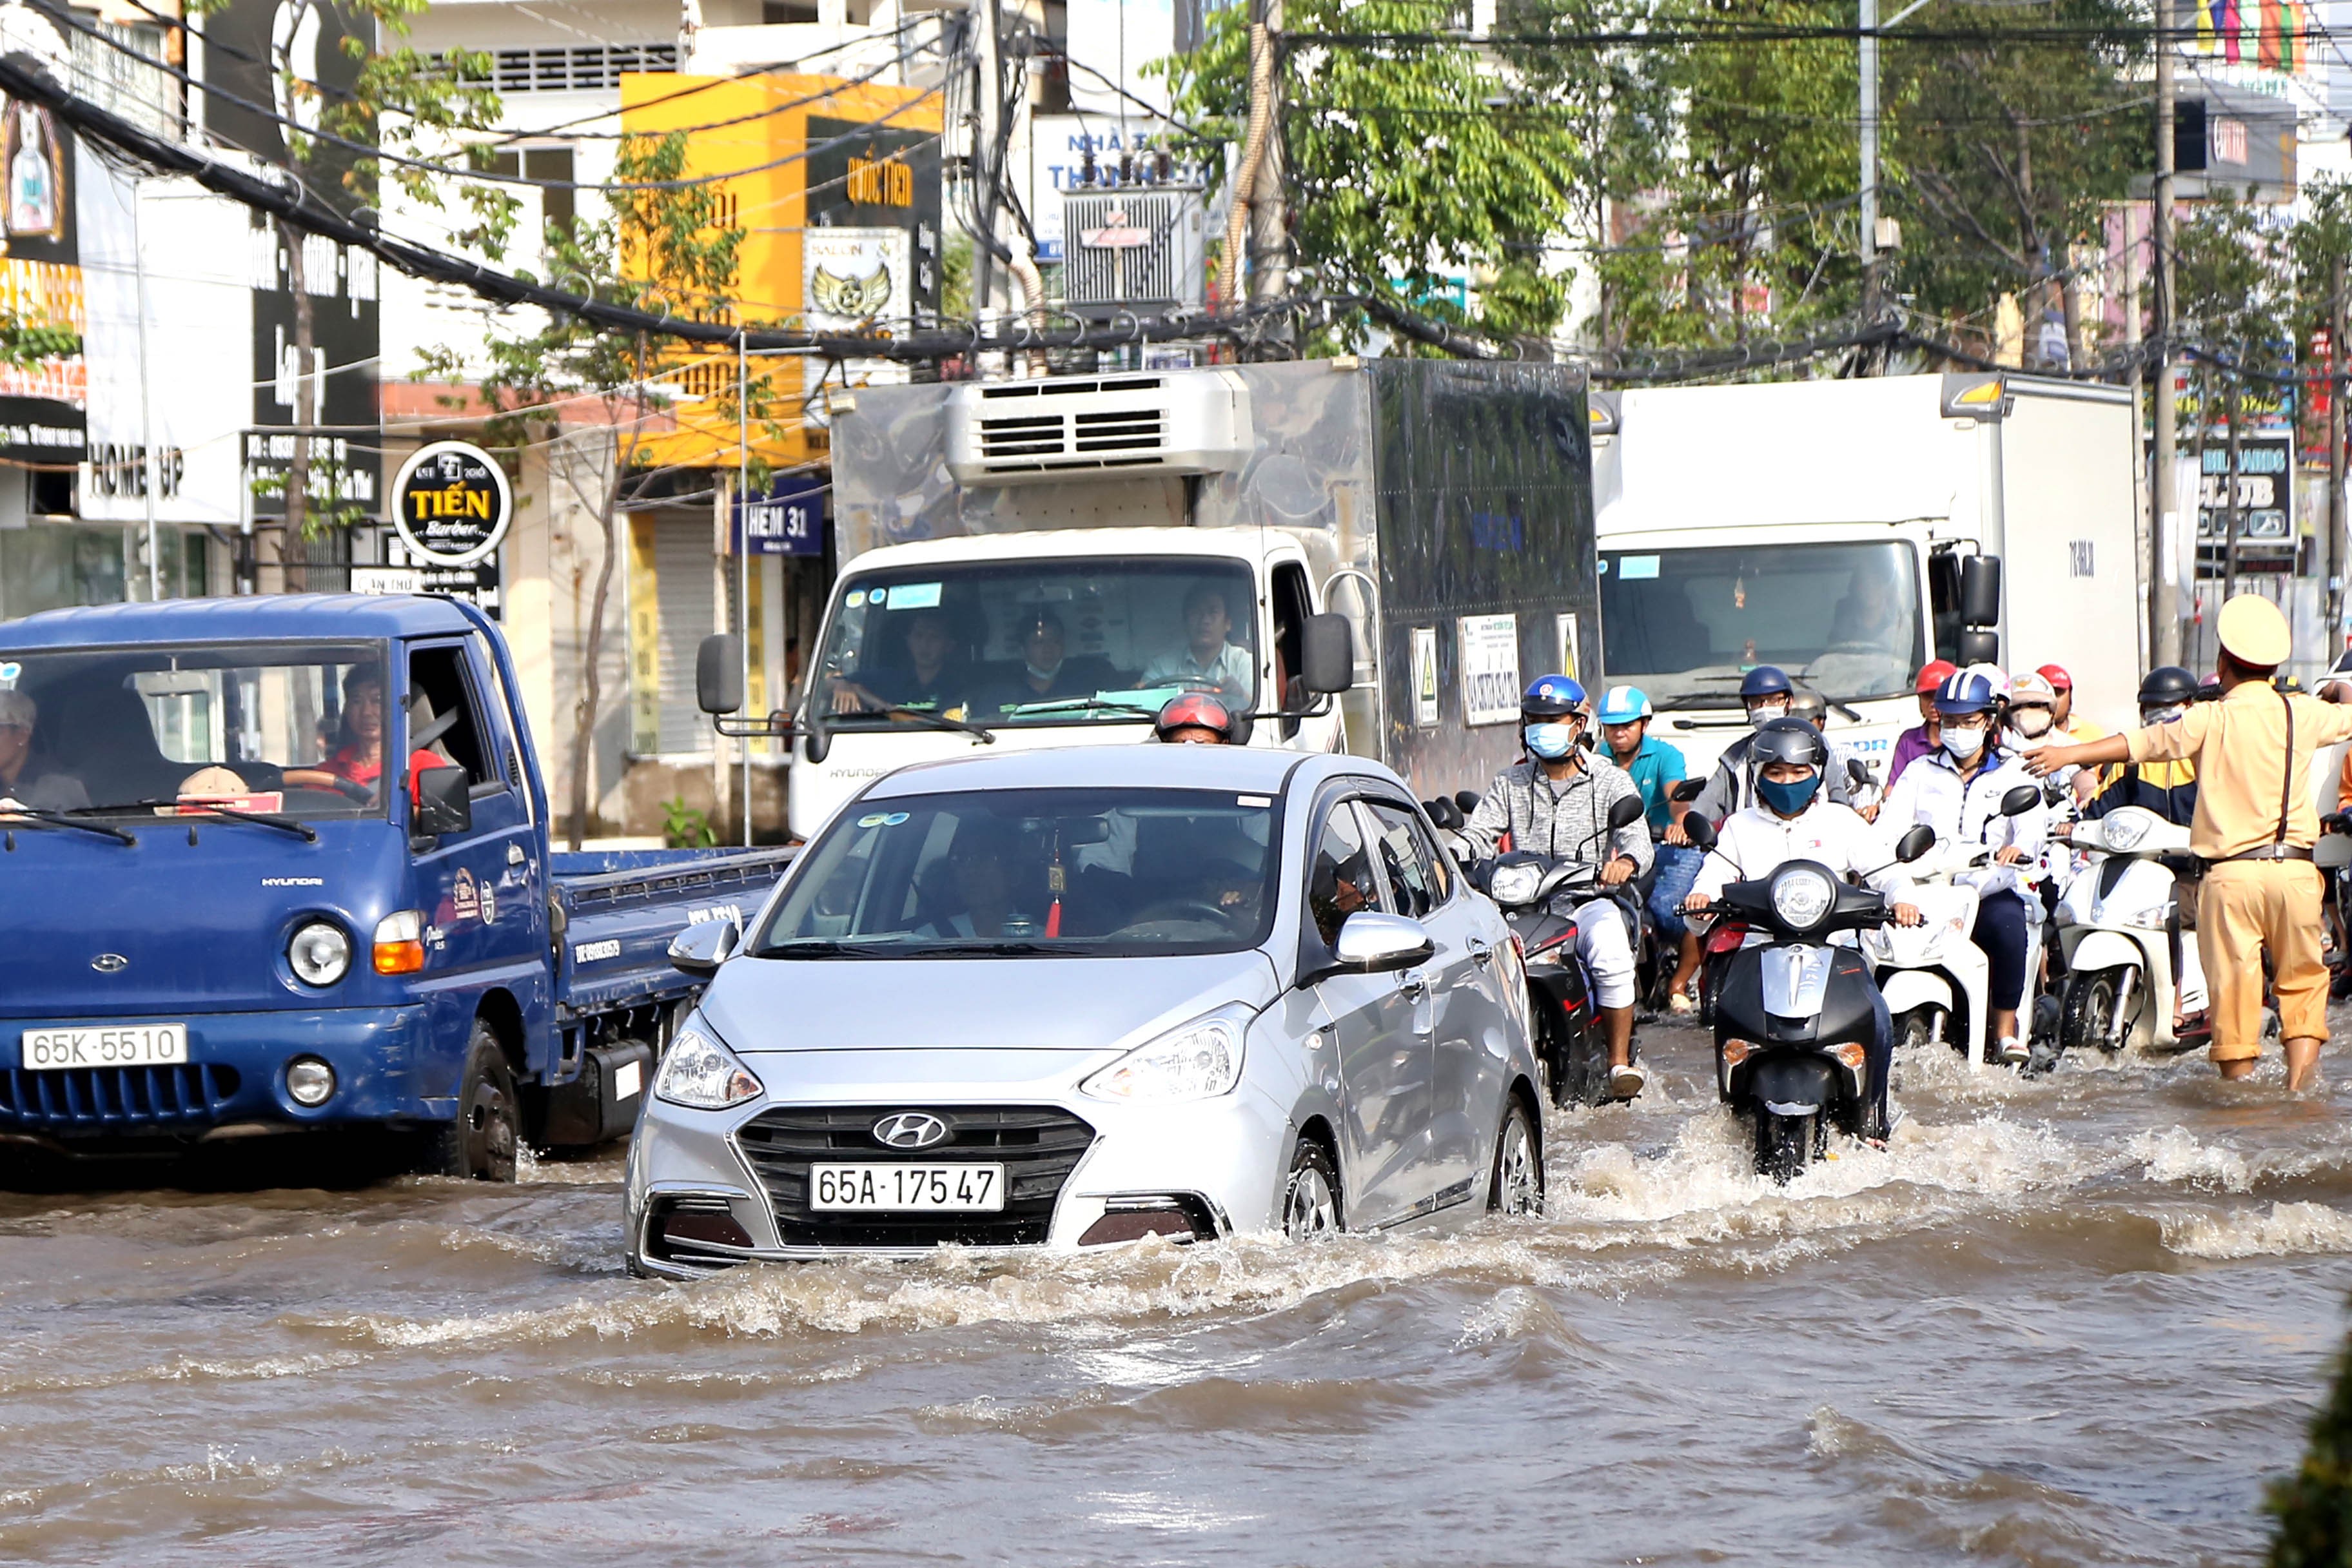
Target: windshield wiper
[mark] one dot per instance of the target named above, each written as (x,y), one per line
(301,830)
(826,947)
(1086,705)
(936,720)
(22,814)
(1011,946)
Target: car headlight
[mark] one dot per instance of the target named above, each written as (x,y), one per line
(1801,896)
(320,952)
(1514,885)
(703,1075)
(2125,829)
(1198,1060)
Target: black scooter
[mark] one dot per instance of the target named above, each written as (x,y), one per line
(1795,1018)
(1538,897)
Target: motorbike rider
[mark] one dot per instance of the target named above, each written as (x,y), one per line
(1557,802)
(2165,788)
(1766,693)
(1957,790)
(1655,766)
(1793,819)
(1194,718)
(1927,734)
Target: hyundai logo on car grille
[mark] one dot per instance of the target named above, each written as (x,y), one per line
(910,1129)
(109,964)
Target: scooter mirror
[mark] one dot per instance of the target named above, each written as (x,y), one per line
(2021,800)
(1467,799)
(1914,844)
(1698,830)
(1626,812)
(1687,791)
(1856,774)
(1445,813)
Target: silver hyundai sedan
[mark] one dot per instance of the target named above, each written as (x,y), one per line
(1067,998)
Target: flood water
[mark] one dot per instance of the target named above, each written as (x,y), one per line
(2079,1320)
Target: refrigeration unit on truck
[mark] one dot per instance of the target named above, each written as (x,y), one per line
(282,865)
(1367,557)
(1849,531)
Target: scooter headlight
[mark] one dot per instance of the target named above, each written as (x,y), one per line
(1515,886)
(2125,829)
(1802,896)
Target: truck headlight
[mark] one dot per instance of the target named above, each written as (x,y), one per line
(320,952)
(399,945)
(1802,896)
(703,1075)
(1198,1060)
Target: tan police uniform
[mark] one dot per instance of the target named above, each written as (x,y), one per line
(2254,828)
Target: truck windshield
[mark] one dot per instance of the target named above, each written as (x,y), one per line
(1039,642)
(1063,873)
(278,728)
(1685,624)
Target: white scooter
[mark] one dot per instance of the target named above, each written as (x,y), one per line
(1936,981)
(2132,975)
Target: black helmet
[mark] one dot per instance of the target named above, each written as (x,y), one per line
(2168,686)
(1788,740)
(1810,705)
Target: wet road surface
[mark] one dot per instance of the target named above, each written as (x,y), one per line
(2078,1321)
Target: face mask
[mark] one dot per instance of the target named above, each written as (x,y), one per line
(1551,742)
(1963,744)
(2161,715)
(1038,674)
(2031,723)
(1765,712)
(1788,798)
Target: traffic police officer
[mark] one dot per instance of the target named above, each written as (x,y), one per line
(2253,828)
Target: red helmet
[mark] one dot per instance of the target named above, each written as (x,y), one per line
(1195,709)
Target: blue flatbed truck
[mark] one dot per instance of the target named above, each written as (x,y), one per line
(276,863)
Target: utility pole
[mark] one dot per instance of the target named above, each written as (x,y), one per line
(2335,519)
(990,103)
(1269,234)
(151,471)
(1869,123)
(2164,582)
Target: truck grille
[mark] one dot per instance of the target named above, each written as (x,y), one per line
(1039,1146)
(107,1099)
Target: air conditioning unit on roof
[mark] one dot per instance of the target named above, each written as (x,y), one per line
(1097,427)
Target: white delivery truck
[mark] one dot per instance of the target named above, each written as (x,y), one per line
(1848,531)
(1370,555)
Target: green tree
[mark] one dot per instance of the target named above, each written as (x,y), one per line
(2314,1506)
(661,248)
(373,90)
(1410,166)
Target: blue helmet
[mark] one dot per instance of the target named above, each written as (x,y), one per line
(1764,680)
(1966,692)
(1552,697)
(1624,704)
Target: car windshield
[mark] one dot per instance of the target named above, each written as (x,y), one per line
(1039,642)
(1685,624)
(1062,873)
(278,728)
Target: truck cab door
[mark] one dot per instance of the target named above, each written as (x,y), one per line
(485,909)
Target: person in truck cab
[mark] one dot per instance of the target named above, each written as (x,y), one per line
(1047,673)
(1208,661)
(358,759)
(934,680)
(24,778)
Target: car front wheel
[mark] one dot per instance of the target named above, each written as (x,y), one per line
(1310,1199)
(1517,1186)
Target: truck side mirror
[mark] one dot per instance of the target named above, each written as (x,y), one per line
(816,738)
(1979,647)
(445,802)
(718,673)
(1980,591)
(1329,655)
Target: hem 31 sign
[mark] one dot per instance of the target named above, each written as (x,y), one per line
(451,506)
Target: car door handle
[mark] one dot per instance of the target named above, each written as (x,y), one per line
(1482,953)
(1413,986)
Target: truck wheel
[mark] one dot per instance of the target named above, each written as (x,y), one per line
(481,1144)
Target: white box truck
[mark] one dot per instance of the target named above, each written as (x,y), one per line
(1848,531)
(1370,556)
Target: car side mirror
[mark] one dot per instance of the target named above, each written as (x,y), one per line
(1914,844)
(1698,830)
(1375,943)
(1980,592)
(1686,790)
(701,948)
(718,673)
(2021,800)
(1329,655)
(1625,810)
(445,801)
